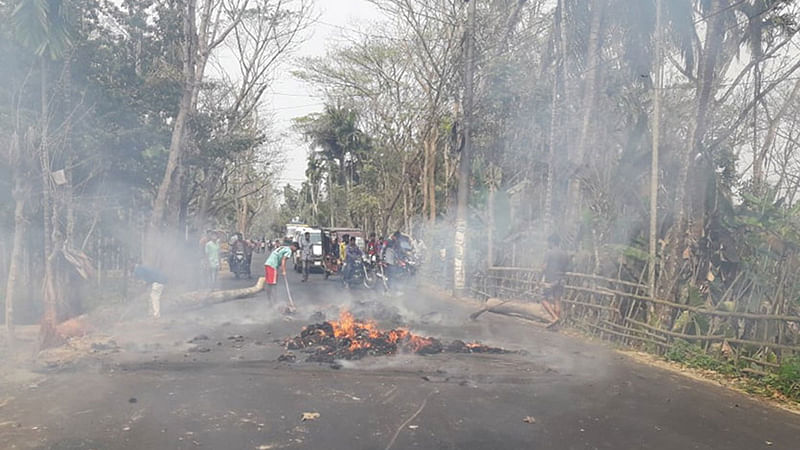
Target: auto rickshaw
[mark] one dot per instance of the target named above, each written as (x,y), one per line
(332,261)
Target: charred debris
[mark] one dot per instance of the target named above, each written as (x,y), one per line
(350,338)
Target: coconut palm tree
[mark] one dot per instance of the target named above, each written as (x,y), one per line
(43,28)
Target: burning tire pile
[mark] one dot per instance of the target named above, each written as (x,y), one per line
(350,338)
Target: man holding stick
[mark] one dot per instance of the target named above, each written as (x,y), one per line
(277,259)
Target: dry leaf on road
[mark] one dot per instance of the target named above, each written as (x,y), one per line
(309,416)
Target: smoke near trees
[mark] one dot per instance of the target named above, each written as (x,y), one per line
(129,124)
(126,126)
(563,136)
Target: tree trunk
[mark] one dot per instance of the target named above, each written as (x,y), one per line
(490,228)
(47,332)
(433,140)
(697,128)
(577,159)
(16,255)
(754,30)
(656,130)
(769,138)
(465,163)
(424,171)
(559,81)
(178,133)
(175,150)
(212,174)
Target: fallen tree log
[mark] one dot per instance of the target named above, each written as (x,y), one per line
(209,297)
(518,308)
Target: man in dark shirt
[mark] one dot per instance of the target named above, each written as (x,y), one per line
(556,264)
(352,254)
(157,280)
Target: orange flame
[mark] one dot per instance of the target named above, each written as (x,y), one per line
(417,343)
(360,332)
(347,326)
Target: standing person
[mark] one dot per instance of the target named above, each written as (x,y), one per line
(373,247)
(277,259)
(335,247)
(306,254)
(157,280)
(343,248)
(389,261)
(202,254)
(556,264)
(212,258)
(332,257)
(248,255)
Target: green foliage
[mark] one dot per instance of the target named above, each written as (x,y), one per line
(43,26)
(693,356)
(787,379)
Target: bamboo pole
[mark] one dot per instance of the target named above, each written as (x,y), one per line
(610,280)
(634,330)
(741,315)
(690,337)
(762,363)
(617,333)
(590,305)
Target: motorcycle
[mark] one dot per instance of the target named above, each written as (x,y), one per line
(239,265)
(371,265)
(402,272)
(409,265)
(359,275)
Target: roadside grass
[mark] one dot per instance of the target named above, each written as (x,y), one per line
(783,383)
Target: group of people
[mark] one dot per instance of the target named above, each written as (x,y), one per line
(390,253)
(212,250)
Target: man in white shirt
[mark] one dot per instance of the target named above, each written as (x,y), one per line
(306,254)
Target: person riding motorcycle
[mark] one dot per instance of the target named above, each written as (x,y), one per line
(352,254)
(398,241)
(238,244)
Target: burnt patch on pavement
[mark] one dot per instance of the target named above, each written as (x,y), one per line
(350,338)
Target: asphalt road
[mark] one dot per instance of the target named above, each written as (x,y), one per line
(228,391)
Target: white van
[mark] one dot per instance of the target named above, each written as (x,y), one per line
(316,248)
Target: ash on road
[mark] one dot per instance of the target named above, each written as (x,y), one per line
(210,378)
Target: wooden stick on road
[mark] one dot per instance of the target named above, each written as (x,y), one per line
(291,308)
(476,314)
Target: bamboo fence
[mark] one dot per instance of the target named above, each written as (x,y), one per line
(621,312)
